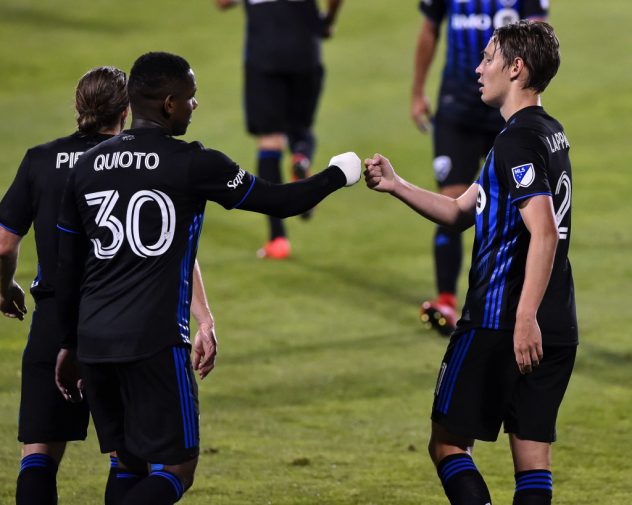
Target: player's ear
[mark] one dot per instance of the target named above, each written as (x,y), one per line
(168,106)
(517,68)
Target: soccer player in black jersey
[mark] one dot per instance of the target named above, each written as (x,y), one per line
(464,127)
(282,86)
(46,421)
(131,216)
(511,356)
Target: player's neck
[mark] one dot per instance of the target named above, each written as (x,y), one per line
(518,101)
(141,122)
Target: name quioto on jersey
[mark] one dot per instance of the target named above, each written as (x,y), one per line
(126,159)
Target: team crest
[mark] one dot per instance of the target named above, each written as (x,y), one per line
(524,175)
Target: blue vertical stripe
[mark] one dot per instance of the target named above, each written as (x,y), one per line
(509,252)
(473,45)
(461,48)
(454,367)
(498,276)
(187,405)
(181,389)
(185,277)
(487,8)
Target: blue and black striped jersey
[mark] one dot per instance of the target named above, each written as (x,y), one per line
(140,198)
(530,157)
(34,197)
(469,26)
(282,35)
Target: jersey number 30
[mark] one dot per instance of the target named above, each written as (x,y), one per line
(106,200)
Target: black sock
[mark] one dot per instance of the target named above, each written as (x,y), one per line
(448,253)
(303,143)
(269,167)
(158,488)
(533,487)
(37,481)
(462,482)
(120,482)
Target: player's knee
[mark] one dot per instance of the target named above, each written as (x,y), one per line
(184,471)
(126,460)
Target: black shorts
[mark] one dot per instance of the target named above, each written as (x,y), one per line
(459,151)
(44,414)
(479,388)
(281,102)
(148,407)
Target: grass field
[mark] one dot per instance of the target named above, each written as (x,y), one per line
(325,378)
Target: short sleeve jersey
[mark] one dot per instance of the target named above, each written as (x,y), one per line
(139,199)
(530,157)
(469,26)
(282,35)
(34,198)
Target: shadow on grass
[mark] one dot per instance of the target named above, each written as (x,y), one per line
(604,365)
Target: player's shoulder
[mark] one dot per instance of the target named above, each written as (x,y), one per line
(55,145)
(210,156)
(525,128)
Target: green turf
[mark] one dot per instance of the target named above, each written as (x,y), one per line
(325,378)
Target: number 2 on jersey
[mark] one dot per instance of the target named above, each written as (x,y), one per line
(564,183)
(106,200)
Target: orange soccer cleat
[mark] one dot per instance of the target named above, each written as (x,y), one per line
(276,249)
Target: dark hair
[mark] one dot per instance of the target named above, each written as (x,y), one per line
(536,44)
(100,98)
(155,75)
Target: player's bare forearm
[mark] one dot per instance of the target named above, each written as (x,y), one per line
(456,213)
(424,54)
(539,218)
(205,341)
(199,303)
(333,6)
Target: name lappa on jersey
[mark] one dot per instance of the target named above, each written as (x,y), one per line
(557,142)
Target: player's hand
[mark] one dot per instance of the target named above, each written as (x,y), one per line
(421,113)
(527,344)
(350,165)
(379,174)
(205,349)
(12,305)
(67,376)
(326,26)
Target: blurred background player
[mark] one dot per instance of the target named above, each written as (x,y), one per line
(511,357)
(46,421)
(283,79)
(464,127)
(132,217)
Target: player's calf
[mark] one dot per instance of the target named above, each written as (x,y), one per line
(462,482)
(37,480)
(124,475)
